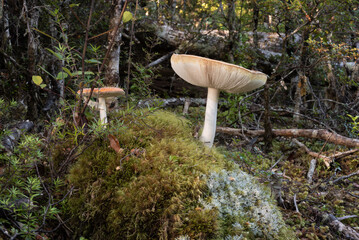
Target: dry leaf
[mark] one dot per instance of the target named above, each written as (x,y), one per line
(115,145)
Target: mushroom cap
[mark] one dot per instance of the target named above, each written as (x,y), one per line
(104,92)
(205,72)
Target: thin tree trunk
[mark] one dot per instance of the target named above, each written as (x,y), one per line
(233,28)
(1,9)
(331,91)
(7,36)
(112,75)
(300,91)
(173,6)
(32,18)
(255,22)
(268,133)
(302,80)
(55,65)
(355,74)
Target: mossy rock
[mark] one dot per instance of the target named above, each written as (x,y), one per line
(156,188)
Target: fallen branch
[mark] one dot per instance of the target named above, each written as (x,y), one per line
(347,217)
(295,203)
(160,60)
(327,160)
(346,176)
(171,102)
(311,170)
(322,134)
(336,225)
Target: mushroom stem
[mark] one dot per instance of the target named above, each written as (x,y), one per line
(102,108)
(210,120)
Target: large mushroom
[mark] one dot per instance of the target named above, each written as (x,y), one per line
(216,76)
(102,94)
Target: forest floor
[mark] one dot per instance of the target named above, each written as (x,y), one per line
(318,201)
(306,202)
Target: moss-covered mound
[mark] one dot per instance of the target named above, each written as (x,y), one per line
(160,187)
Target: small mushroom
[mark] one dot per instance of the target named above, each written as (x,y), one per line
(102,94)
(216,76)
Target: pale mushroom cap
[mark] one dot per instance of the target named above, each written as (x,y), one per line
(104,92)
(205,72)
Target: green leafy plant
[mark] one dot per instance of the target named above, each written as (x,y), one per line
(354,123)
(141,80)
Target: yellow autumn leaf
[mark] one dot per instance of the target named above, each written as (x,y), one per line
(127,16)
(37,80)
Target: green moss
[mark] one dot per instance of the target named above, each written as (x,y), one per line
(150,190)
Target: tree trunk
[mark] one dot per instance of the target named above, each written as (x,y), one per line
(331,90)
(7,36)
(32,15)
(112,75)
(268,133)
(355,74)
(233,29)
(300,91)
(255,22)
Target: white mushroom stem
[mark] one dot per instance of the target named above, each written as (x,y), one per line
(210,120)
(103,109)
(91,103)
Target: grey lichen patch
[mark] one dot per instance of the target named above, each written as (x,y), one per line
(245,207)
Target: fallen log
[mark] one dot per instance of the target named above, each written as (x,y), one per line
(321,134)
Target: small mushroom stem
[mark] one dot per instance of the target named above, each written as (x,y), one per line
(210,120)
(102,108)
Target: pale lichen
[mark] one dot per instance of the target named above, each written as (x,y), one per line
(246,204)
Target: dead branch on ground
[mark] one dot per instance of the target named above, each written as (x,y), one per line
(321,134)
(335,224)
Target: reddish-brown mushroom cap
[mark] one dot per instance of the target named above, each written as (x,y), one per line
(104,92)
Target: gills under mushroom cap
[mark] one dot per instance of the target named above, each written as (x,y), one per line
(205,72)
(215,75)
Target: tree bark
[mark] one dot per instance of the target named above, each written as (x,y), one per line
(32,16)
(321,134)
(7,36)
(300,91)
(331,90)
(268,133)
(112,75)
(255,22)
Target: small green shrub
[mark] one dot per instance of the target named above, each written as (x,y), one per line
(27,203)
